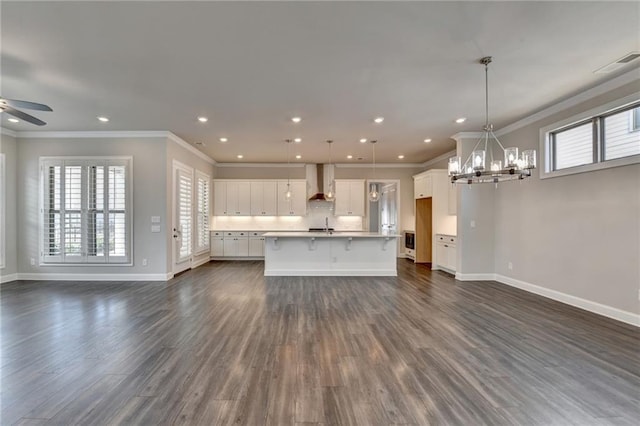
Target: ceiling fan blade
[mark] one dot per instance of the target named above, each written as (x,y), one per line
(22,115)
(25,104)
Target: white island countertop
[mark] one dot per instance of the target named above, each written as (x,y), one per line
(333,234)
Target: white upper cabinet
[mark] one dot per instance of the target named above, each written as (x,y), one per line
(264,198)
(422,187)
(297,204)
(238,198)
(349,197)
(219,198)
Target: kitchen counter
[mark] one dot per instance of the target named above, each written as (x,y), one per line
(333,234)
(330,254)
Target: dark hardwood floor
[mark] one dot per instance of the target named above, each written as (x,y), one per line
(224,345)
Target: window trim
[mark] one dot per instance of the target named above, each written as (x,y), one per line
(198,250)
(594,114)
(129,218)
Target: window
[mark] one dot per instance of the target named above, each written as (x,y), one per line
(605,137)
(203,202)
(86,210)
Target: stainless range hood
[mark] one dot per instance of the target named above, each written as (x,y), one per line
(319,178)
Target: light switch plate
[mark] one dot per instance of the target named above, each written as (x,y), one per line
(155,219)
(155,228)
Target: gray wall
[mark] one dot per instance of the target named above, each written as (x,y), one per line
(577,234)
(9,148)
(149,199)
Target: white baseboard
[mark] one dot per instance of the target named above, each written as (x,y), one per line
(475,277)
(8,278)
(587,305)
(331,273)
(94,277)
(200,262)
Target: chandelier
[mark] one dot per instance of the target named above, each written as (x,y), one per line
(474,170)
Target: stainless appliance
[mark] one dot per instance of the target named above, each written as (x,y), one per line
(410,240)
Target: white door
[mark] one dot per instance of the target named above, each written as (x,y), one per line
(182,217)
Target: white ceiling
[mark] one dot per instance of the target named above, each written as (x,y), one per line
(251,66)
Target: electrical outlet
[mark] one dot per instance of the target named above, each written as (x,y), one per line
(510,266)
(473,223)
(144,262)
(33,262)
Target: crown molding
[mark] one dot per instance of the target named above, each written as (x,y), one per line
(261,165)
(184,144)
(94,134)
(8,132)
(444,156)
(607,86)
(107,134)
(378,165)
(467,135)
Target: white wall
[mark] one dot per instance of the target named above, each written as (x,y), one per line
(575,237)
(149,199)
(9,148)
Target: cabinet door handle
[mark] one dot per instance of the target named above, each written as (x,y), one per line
(446,245)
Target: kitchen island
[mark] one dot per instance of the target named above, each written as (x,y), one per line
(330,254)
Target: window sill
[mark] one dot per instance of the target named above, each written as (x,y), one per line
(618,162)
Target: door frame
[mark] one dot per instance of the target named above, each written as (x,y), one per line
(178,266)
(368,182)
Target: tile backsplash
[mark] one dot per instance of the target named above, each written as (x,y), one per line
(315,218)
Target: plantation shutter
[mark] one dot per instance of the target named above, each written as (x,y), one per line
(203,211)
(85,212)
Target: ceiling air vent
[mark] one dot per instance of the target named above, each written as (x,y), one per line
(618,63)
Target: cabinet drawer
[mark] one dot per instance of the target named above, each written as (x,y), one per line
(236,233)
(217,233)
(255,234)
(449,239)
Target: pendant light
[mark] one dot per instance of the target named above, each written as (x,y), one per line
(330,195)
(287,193)
(374,195)
(474,168)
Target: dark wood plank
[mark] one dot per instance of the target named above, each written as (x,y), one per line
(224,345)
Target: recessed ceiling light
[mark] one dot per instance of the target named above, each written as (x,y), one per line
(349,157)
(223,139)
(240,156)
(461,120)
(427,140)
(378,120)
(13,120)
(296,119)
(297,140)
(103,119)
(363,140)
(298,156)
(203,119)
(401,156)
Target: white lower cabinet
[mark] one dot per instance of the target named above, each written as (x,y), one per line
(256,244)
(446,252)
(217,243)
(237,244)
